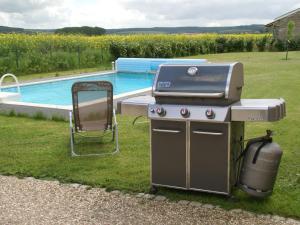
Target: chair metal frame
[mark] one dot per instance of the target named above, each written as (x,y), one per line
(75,130)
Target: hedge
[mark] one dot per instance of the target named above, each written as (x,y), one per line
(25,54)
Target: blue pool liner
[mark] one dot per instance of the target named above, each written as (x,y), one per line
(58,92)
(149,65)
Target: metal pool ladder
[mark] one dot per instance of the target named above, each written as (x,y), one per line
(14,77)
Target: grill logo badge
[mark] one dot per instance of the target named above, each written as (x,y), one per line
(164,84)
(192,71)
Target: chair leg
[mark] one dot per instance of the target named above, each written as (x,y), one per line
(72,142)
(114,138)
(113,133)
(72,138)
(116,132)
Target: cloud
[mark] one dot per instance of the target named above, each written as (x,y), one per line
(140,13)
(19,6)
(225,12)
(33,13)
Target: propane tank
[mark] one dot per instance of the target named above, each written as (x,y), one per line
(260,166)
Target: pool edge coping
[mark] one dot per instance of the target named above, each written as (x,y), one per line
(51,110)
(53,79)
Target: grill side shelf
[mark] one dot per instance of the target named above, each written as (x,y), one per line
(258,110)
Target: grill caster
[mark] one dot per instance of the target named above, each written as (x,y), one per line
(153,190)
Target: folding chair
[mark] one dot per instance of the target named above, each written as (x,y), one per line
(93,111)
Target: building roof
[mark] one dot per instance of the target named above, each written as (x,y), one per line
(283,16)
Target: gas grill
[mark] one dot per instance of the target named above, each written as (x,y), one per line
(197,125)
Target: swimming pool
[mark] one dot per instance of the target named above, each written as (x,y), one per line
(52,98)
(58,92)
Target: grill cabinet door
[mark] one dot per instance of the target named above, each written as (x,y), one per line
(168,153)
(209,156)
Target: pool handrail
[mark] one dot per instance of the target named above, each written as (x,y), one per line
(14,77)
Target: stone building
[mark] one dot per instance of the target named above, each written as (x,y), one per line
(279,26)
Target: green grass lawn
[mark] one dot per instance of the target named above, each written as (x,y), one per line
(40,148)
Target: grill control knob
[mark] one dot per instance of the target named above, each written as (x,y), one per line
(210,114)
(161,111)
(185,112)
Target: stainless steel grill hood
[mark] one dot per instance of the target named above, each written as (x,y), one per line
(206,84)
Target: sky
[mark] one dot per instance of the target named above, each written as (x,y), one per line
(50,14)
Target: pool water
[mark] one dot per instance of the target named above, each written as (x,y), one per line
(59,92)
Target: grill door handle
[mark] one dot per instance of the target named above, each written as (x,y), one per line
(166,131)
(207,133)
(188,94)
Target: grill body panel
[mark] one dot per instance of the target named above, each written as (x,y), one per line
(168,153)
(209,156)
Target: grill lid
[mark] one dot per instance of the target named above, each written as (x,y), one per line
(204,81)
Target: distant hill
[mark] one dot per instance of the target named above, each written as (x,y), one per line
(255,28)
(4,29)
(11,30)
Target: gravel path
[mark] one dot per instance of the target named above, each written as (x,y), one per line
(31,201)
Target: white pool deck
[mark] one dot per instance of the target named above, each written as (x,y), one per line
(57,111)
